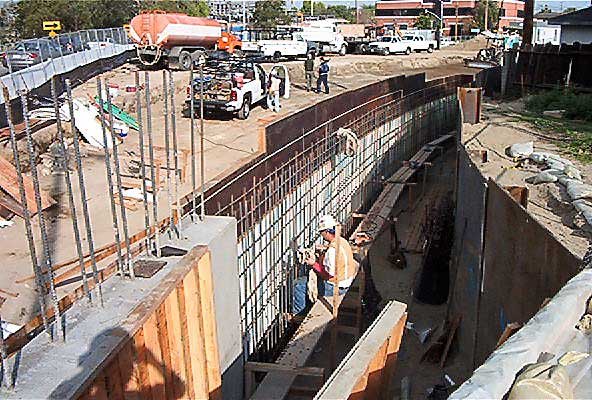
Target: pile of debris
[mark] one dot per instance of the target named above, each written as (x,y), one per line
(557,169)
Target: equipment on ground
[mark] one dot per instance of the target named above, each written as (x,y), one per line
(490,56)
(178,38)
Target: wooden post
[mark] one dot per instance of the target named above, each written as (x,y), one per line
(332,352)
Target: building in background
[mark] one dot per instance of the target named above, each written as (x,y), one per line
(232,11)
(576,26)
(458,14)
(543,31)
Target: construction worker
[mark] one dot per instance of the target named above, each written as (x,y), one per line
(329,273)
(323,75)
(273,94)
(309,70)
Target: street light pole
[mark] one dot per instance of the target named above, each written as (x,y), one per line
(486,13)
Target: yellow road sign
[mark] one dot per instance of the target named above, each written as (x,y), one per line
(52,26)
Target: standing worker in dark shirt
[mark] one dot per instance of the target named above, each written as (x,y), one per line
(323,75)
(309,70)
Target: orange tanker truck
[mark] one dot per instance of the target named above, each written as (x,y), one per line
(177,39)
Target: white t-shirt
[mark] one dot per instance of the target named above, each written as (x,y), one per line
(275,84)
(329,264)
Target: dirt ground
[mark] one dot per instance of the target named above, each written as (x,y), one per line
(548,202)
(230,142)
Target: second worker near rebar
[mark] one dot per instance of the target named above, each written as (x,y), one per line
(329,268)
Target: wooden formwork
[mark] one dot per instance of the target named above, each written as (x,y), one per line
(172,350)
(367,370)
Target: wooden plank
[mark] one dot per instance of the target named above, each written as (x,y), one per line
(394,344)
(113,381)
(352,370)
(163,341)
(129,377)
(271,367)
(98,391)
(154,359)
(195,330)
(189,387)
(9,182)
(11,205)
(206,292)
(140,365)
(175,346)
(451,333)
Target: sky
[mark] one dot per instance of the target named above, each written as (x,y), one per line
(555,5)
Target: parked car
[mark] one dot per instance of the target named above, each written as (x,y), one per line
(390,45)
(71,44)
(30,52)
(287,45)
(419,43)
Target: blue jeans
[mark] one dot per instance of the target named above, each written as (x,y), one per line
(273,101)
(323,80)
(300,299)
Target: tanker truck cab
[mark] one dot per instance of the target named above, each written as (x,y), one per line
(233,86)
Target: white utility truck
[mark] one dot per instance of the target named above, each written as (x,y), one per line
(288,45)
(322,37)
(419,43)
(390,45)
(234,85)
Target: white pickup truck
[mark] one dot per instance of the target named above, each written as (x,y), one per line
(289,46)
(390,45)
(419,43)
(394,44)
(234,86)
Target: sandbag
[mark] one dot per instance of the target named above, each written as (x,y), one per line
(585,208)
(520,150)
(577,190)
(545,380)
(546,176)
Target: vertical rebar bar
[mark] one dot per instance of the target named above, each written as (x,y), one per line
(82,188)
(201,143)
(74,216)
(114,217)
(175,153)
(192,116)
(155,185)
(41,290)
(143,162)
(42,226)
(122,210)
(7,374)
(167,148)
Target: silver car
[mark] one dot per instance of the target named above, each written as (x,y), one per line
(30,52)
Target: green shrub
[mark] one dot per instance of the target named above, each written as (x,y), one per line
(576,105)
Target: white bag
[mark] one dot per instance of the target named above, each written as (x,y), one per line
(521,150)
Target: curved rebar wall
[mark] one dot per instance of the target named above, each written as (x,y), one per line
(278,203)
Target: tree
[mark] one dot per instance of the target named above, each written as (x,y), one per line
(424,21)
(367,14)
(190,7)
(269,13)
(341,11)
(319,8)
(492,15)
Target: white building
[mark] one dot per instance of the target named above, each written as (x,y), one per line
(575,26)
(545,33)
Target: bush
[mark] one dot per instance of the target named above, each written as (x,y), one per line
(576,105)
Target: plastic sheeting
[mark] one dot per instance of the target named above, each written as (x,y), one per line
(37,75)
(551,330)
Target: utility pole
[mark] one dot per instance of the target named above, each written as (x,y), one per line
(439,4)
(527,25)
(456,22)
(486,14)
(312,8)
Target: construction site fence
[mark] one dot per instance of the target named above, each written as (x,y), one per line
(549,66)
(75,49)
(310,169)
(505,263)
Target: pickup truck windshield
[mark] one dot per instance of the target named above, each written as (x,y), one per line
(411,38)
(386,39)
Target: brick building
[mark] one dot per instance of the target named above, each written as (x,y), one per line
(402,13)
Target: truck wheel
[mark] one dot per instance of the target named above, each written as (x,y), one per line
(245,110)
(408,51)
(277,56)
(185,60)
(386,51)
(430,49)
(343,50)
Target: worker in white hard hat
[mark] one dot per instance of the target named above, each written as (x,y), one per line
(327,271)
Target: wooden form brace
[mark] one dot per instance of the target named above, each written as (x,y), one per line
(366,371)
(172,349)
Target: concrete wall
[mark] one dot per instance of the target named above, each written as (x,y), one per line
(571,34)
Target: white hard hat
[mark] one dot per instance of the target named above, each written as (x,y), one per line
(327,222)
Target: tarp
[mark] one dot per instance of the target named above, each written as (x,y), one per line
(551,330)
(39,74)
